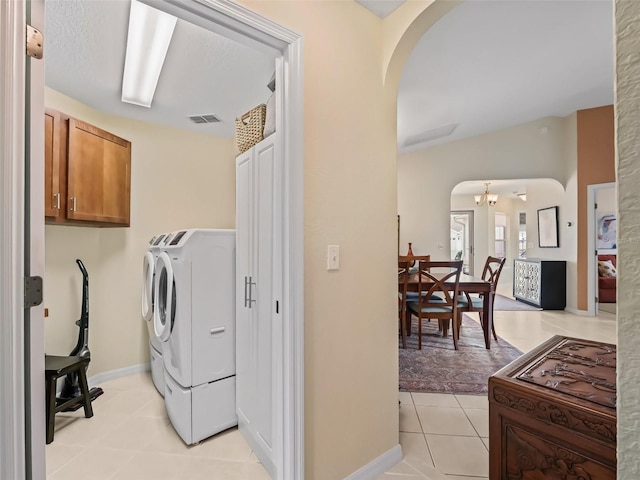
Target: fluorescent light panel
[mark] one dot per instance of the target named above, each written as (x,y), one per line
(150,32)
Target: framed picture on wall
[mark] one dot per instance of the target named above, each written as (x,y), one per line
(607,227)
(548,227)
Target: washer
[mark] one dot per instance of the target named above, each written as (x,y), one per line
(148,304)
(195,320)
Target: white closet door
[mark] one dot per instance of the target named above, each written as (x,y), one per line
(256,379)
(245,338)
(265,414)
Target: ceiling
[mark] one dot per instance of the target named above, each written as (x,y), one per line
(203,72)
(486,65)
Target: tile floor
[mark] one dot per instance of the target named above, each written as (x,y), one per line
(130,438)
(443,437)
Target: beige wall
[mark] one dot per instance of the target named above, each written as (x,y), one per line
(627,118)
(595,140)
(351,351)
(178,180)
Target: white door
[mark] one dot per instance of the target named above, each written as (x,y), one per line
(462,247)
(258,304)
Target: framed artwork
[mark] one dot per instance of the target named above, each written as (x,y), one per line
(607,226)
(548,227)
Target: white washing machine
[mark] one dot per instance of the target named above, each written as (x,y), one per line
(148,303)
(194,318)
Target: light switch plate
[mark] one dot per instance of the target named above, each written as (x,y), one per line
(333,257)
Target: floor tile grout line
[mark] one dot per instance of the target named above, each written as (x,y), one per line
(82,449)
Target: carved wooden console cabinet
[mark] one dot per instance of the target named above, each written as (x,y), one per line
(552,413)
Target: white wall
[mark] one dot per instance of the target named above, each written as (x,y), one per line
(544,148)
(179,180)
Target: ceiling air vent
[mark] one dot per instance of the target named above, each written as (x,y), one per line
(430,135)
(208,118)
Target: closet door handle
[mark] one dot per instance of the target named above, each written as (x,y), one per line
(251,285)
(245,292)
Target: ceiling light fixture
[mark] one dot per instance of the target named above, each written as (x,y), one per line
(522,196)
(150,32)
(489,198)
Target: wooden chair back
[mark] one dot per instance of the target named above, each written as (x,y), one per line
(492,269)
(490,273)
(403,279)
(438,285)
(442,279)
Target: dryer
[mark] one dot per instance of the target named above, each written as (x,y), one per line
(148,304)
(194,318)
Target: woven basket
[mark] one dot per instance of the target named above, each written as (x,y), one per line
(250,128)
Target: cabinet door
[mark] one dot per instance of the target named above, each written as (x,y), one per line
(245,335)
(257,341)
(533,281)
(265,304)
(519,279)
(98,175)
(52,194)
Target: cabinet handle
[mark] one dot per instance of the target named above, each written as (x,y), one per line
(251,284)
(56,201)
(73,204)
(245,292)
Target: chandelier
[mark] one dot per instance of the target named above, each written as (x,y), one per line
(489,198)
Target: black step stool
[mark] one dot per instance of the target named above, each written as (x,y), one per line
(56,367)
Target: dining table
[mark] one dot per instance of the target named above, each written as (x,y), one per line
(469,284)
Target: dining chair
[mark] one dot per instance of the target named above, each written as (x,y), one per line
(410,296)
(438,284)
(403,277)
(475,303)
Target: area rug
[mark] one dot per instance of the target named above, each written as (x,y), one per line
(438,368)
(506,304)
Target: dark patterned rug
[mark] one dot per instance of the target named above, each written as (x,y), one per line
(438,368)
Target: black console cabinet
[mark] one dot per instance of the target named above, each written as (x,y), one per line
(541,282)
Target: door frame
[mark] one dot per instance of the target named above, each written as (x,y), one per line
(592,267)
(12,210)
(472,234)
(235,22)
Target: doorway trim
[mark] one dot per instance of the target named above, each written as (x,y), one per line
(249,28)
(12,174)
(592,283)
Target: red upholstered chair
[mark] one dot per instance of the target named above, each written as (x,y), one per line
(606,284)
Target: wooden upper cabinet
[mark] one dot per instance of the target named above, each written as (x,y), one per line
(94,178)
(52,193)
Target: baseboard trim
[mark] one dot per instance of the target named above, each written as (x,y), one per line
(575,311)
(378,466)
(118,373)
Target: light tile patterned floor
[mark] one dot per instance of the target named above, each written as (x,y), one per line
(445,437)
(130,437)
